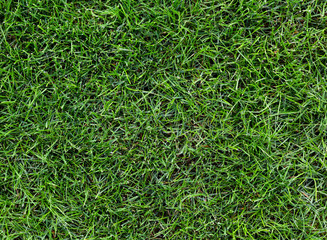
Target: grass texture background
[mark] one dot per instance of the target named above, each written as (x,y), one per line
(163,119)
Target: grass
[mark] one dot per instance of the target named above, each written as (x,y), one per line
(163,119)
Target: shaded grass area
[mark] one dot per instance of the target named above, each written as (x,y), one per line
(163,119)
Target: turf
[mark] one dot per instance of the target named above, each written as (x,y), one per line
(163,119)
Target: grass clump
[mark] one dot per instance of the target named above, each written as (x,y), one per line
(163,119)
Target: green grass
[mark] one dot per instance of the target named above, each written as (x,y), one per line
(163,119)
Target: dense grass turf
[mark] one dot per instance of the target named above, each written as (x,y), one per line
(163,119)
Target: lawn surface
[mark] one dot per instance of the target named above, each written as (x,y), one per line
(163,119)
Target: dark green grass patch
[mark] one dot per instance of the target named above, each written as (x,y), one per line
(163,119)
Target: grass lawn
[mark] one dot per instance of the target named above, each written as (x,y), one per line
(163,119)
